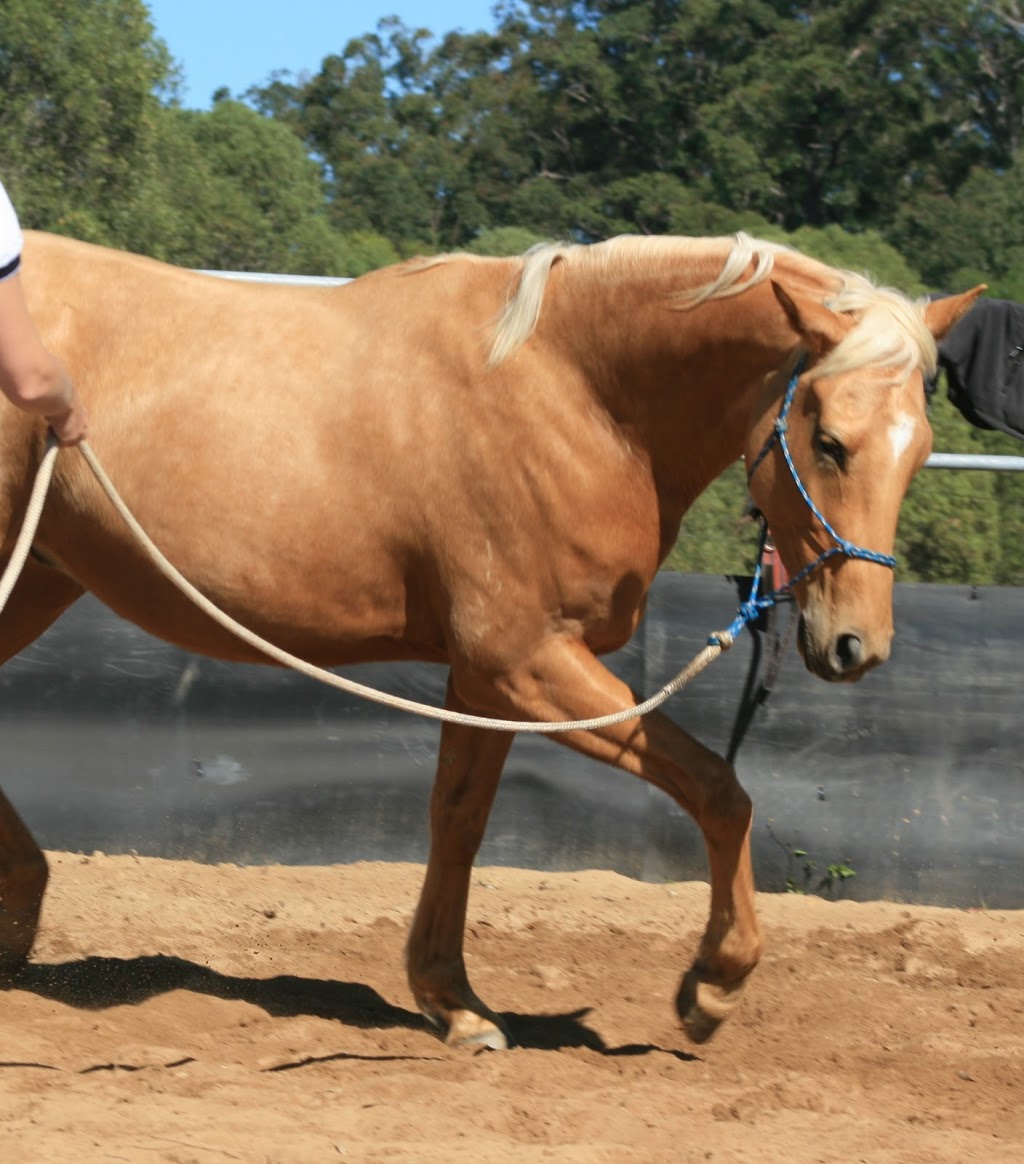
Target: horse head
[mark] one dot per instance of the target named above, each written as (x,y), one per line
(829,466)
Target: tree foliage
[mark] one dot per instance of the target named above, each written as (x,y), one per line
(78,104)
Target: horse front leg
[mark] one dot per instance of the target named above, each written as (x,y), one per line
(468,771)
(40,595)
(563,681)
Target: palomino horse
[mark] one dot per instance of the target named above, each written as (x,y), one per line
(481,463)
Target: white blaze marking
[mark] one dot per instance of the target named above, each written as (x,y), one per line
(901,434)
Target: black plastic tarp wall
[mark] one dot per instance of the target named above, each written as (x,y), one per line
(913,778)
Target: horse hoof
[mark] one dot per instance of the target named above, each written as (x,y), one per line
(477,1034)
(703,1006)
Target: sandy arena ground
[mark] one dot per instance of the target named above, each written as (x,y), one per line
(186,1014)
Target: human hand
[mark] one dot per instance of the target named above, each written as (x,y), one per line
(71,426)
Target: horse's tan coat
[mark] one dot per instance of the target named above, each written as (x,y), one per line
(345,472)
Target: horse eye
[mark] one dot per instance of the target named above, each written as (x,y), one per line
(829,447)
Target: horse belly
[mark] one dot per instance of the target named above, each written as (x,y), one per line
(331,592)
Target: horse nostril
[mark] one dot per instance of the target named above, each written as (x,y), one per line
(849,651)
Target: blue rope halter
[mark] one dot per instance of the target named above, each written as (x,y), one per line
(754,605)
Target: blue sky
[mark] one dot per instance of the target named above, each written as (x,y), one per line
(238,43)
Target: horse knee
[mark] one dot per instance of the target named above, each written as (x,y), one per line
(732,802)
(725,808)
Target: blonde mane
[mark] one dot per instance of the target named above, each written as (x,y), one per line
(890,328)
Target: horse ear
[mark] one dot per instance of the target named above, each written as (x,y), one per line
(819,328)
(941,314)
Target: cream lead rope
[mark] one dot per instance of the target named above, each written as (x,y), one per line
(717,644)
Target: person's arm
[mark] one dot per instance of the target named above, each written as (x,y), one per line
(32,377)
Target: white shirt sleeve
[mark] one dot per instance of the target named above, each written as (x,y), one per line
(11,240)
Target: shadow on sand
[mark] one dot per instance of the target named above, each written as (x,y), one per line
(97,983)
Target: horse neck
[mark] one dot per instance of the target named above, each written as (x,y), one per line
(682,384)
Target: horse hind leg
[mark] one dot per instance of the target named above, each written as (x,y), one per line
(39,597)
(469,767)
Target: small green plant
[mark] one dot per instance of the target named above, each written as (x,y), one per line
(839,871)
(802,871)
(808,870)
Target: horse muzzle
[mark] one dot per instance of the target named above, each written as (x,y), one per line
(842,656)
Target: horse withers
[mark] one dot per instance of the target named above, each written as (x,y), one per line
(480,463)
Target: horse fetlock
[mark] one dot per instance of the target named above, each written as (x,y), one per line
(440,984)
(729,956)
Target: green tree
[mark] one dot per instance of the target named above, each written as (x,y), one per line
(231,189)
(833,113)
(263,200)
(715,538)
(79,85)
(582,118)
(865,252)
(360,251)
(392,138)
(972,236)
(964,526)
(504,240)
(949,523)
